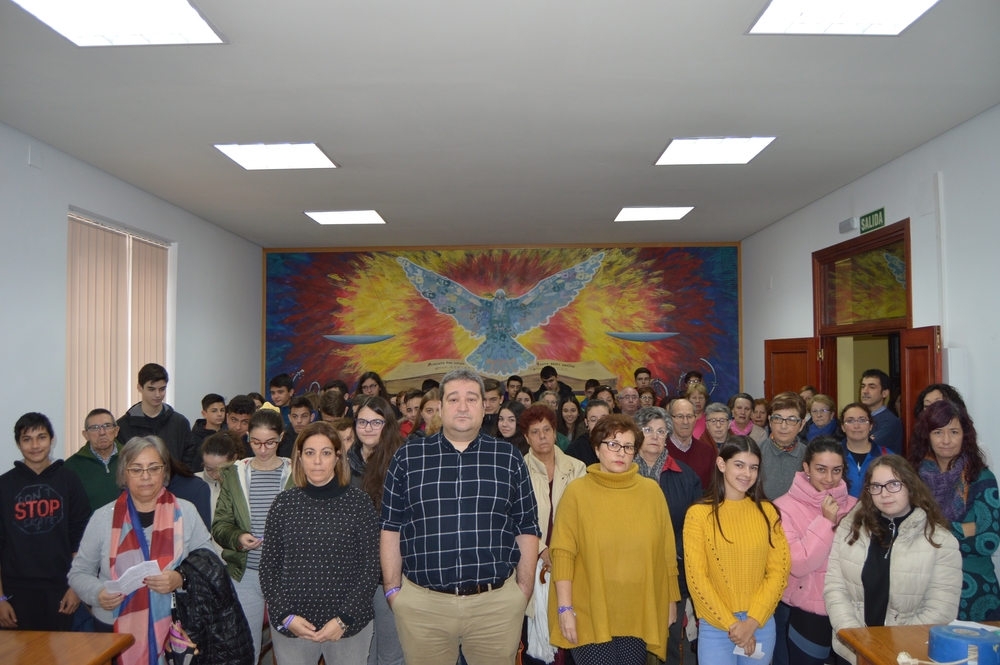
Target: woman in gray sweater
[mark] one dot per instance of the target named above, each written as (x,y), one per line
(140,526)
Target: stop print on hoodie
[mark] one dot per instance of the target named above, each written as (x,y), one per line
(42,521)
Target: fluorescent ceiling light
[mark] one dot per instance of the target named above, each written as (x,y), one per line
(652,214)
(713,151)
(347,217)
(269,156)
(839,17)
(124,22)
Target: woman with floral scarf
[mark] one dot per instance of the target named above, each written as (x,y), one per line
(945,452)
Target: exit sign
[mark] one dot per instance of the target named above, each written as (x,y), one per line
(873,220)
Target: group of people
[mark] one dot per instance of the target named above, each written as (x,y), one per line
(473,521)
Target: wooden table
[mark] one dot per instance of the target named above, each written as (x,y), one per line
(881,644)
(31,647)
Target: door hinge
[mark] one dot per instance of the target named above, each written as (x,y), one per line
(937,339)
(819,355)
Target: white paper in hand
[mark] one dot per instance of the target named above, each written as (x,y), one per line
(133,578)
(757,654)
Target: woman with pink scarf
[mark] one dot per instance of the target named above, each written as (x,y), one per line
(741,405)
(810,513)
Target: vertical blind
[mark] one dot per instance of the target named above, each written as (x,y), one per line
(149,307)
(116,294)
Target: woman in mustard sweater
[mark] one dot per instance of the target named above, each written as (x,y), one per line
(736,558)
(613,557)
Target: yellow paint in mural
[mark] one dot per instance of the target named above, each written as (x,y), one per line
(381,300)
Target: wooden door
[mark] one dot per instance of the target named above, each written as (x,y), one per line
(790,364)
(919,366)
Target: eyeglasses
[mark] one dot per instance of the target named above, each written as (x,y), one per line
(103,427)
(373,424)
(856,421)
(817,412)
(684,416)
(649,431)
(718,421)
(614,447)
(892,487)
(628,398)
(153,470)
(270,443)
(791,420)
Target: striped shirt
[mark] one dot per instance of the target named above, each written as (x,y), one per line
(263,487)
(458,513)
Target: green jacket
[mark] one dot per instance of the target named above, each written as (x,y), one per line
(232,514)
(99,481)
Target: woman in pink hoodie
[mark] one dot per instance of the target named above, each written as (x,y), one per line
(810,513)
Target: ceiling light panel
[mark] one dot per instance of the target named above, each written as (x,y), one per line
(839,17)
(728,150)
(652,214)
(276,156)
(124,22)
(347,217)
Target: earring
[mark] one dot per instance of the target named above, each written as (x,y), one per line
(808,477)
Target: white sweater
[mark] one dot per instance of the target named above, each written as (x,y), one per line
(925,582)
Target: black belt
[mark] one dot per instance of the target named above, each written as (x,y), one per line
(469,589)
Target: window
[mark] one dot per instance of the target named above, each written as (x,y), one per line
(116,302)
(862,285)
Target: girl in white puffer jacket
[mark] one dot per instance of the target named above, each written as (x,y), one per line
(894,561)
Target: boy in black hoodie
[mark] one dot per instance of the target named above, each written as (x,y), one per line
(153,417)
(213,419)
(43,513)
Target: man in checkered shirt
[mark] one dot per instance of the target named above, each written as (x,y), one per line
(459,537)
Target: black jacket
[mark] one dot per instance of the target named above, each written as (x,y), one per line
(681,487)
(210,612)
(564,391)
(582,450)
(198,435)
(172,427)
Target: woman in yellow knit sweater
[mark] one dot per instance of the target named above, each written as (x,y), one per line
(736,558)
(614,562)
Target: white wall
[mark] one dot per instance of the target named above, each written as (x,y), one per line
(217,333)
(953,179)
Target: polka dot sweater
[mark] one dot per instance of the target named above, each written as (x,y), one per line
(739,572)
(320,557)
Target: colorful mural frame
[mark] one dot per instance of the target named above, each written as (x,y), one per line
(729,377)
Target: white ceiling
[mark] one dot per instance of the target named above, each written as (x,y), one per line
(518,122)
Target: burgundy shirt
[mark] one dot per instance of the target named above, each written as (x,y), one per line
(700,457)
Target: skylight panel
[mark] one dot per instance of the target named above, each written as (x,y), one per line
(839,17)
(727,150)
(653,214)
(347,217)
(124,22)
(275,156)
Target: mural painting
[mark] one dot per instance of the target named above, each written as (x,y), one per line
(590,312)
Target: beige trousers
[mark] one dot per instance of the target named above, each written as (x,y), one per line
(433,625)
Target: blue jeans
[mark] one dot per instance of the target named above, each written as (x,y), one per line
(715,647)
